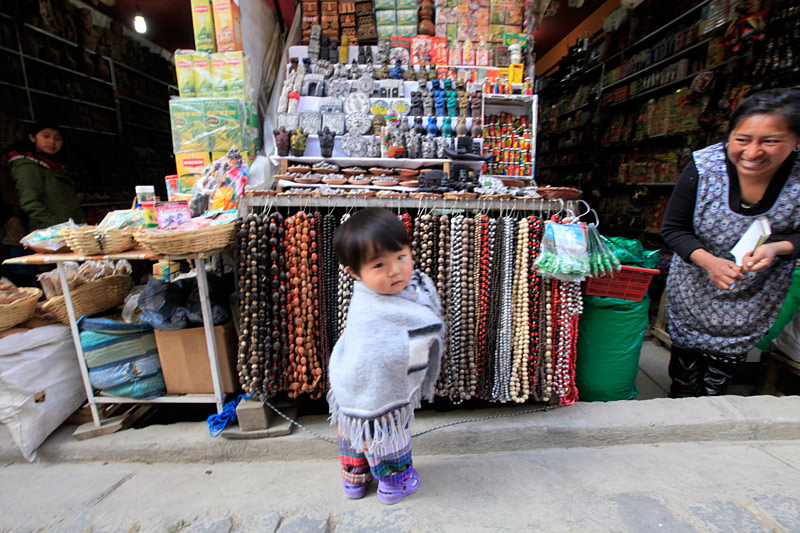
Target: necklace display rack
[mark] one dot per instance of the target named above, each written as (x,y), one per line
(511,335)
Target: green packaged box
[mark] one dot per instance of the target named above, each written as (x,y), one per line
(201,64)
(385,18)
(184,72)
(203,25)
(407,17)
(406,4)
(224,120)
(219,86)
(385,4)
(385,32)
(188,126)
(405,30)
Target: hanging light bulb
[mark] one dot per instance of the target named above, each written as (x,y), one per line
(139,24)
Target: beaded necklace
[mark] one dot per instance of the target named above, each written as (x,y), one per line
(467,361)
(520,386)
(483,273)
(345,291)
(496,234)
(455,379)
(500,391)
(535,366)
(247,278)
(443,386)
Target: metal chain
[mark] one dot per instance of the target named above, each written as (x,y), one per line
(424,431)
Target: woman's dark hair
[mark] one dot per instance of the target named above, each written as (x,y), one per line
(783,102)
(367,232)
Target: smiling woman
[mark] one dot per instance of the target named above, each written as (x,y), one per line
(717,309)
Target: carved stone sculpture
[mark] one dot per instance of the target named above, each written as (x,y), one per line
(416,103)
(298,142)
(281,141)
(429,147)
(419,127)
(374,146)
(442,143)
(326,138)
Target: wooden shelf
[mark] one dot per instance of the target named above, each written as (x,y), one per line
(662,62)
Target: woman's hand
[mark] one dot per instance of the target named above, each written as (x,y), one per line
(765,255)
(723,273)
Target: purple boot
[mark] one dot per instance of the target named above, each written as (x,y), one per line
(392,489)
(355,491)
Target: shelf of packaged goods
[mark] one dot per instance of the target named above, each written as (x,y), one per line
(148,128)
(508,99)
(655,32)
(400,203)
(53,36)
(53,95)
(140,73)
(87,130)
(541,153)
(671,84)
(388,162)
(573,110)
(654,66)
(555,166)
(662,137)
(564,130)
(65,69)
(139,102)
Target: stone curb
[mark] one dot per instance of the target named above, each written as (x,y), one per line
(728,418)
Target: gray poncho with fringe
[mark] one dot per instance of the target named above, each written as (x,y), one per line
(386,361)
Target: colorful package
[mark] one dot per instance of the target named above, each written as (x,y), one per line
(122,219)
(188,125)
(184,71)
(201,64)
(219,86)
(223,122)
(227,26)
(171,214)
(203,25)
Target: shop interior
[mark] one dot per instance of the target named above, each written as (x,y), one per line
(214,155)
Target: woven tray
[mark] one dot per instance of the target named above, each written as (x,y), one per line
(90,298)
(563,193)
(87,240)
(187,241)
(20,310)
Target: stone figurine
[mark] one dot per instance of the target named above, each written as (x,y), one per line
(374,146)
(298,142)
(413,144)
(429,147)
(431,128)
(447,128)
(416,103)
(427,105)
(397,71)
(477,128)
(439,100)
(461,127)
(475,103)
(419,127)
(281,140)
(442,143)
(378,122)
(452,103)
(326,138)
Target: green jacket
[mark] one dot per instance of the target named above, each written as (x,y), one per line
(46,195)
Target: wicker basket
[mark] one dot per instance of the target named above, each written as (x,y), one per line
(90,298)
(188,241)
(20,310)
(88,240)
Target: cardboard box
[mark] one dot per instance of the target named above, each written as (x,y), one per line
(224,118)
(184,360)
(203,25)
(201,64)
(227,26)
(184,71)
(188,127)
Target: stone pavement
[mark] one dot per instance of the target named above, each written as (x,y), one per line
(676,487)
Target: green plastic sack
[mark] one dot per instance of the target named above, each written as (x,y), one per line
(631,252)
(610,337)
(786,314)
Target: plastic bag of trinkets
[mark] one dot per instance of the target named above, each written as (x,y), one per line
(564,254)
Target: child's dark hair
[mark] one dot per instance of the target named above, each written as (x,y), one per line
(368,231)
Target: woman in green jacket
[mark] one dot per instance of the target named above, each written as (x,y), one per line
(45,192)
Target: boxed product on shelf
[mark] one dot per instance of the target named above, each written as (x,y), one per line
(201,64)
(227,27)
(224,118)
(184,71)
(185,364)
(165,270)
(188,125)
(203,25)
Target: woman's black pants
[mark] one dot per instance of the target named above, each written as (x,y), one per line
(694,373)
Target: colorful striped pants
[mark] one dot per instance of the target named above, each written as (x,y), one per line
(390,459)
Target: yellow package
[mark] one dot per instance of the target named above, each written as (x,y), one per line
(166,270)
(227,26)
(201,64)
(203,24)
(191,164)
(223,121)
(219,84)
(184,71)
(234,74)
(188,125)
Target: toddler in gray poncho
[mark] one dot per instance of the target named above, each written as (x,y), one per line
(388,357)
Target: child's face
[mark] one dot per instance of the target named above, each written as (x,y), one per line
(386,272)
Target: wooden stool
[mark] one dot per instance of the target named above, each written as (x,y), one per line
(775,364)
